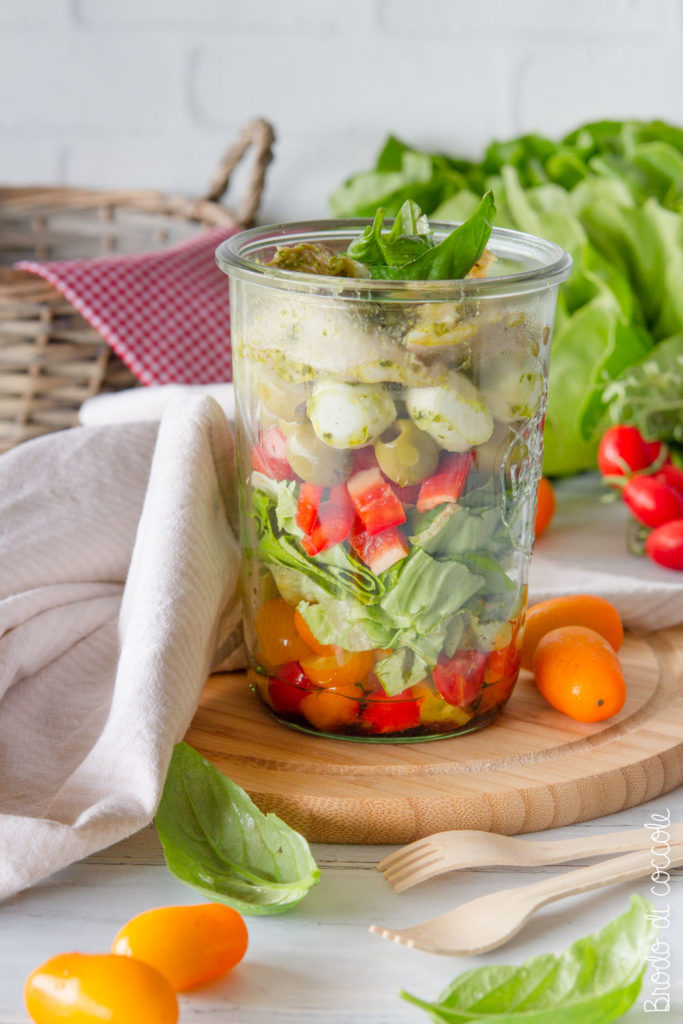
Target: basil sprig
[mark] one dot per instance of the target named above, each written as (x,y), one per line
(408,251)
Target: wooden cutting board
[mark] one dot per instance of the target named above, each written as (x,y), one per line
(532,769)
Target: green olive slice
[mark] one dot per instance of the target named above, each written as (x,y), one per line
(313,460)
(406,454)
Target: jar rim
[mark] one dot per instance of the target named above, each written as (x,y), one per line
(549,264)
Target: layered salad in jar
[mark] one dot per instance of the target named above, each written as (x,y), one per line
(389,451)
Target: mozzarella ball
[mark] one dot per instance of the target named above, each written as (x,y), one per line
(350,415)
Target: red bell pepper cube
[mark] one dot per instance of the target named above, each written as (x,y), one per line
(447,484)
(334,522)
(381,550)
(307,505)
(458,679)
(270,458)
(376,504)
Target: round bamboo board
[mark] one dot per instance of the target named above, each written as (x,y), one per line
(532,769)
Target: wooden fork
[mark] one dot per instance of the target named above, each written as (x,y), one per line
(448,851)
(491,920)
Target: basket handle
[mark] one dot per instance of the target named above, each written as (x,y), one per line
(259,134)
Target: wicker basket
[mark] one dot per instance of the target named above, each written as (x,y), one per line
(51,359)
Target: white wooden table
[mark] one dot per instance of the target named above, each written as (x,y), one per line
(318,964)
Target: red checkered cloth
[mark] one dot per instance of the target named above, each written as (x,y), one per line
(164,313)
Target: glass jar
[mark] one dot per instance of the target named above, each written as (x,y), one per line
(389,443)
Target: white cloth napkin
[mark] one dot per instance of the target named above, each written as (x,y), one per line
(98,682)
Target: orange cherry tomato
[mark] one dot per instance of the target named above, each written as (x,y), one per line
(84,988)
(304,631)
(495,694)
(572,610)
(333,709)
(278,638)
(340,668)
(188,945)
(578,672)
(545,505)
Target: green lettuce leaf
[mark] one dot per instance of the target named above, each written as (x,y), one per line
(593,982)
(216,840)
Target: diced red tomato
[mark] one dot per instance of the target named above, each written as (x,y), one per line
(375,502)
(458,679)
(385,714)
(381,551)
(363,458)
(334,522)
(307,506)
(269,456)
(447,484)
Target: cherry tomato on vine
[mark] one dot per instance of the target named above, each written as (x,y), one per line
(624,449)
(665,545)
(652,500)
(188,945)
(85,988)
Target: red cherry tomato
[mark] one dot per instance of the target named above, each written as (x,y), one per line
(288,688)
(652,500)
(624,450)
(383,714)
(665,545)
(458,679)
(672,475)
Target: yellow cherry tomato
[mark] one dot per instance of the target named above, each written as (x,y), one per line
(340,668)
(84,988)
(188,945)
(278,638)
(333,709)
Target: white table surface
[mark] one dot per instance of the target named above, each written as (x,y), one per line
(319,964)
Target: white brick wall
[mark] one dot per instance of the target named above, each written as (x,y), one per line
(149,92)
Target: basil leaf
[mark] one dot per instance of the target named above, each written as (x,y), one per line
(594,981)
(216,840)
(452,258)
(409,238)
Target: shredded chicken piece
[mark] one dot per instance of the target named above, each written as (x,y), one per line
(483,265)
